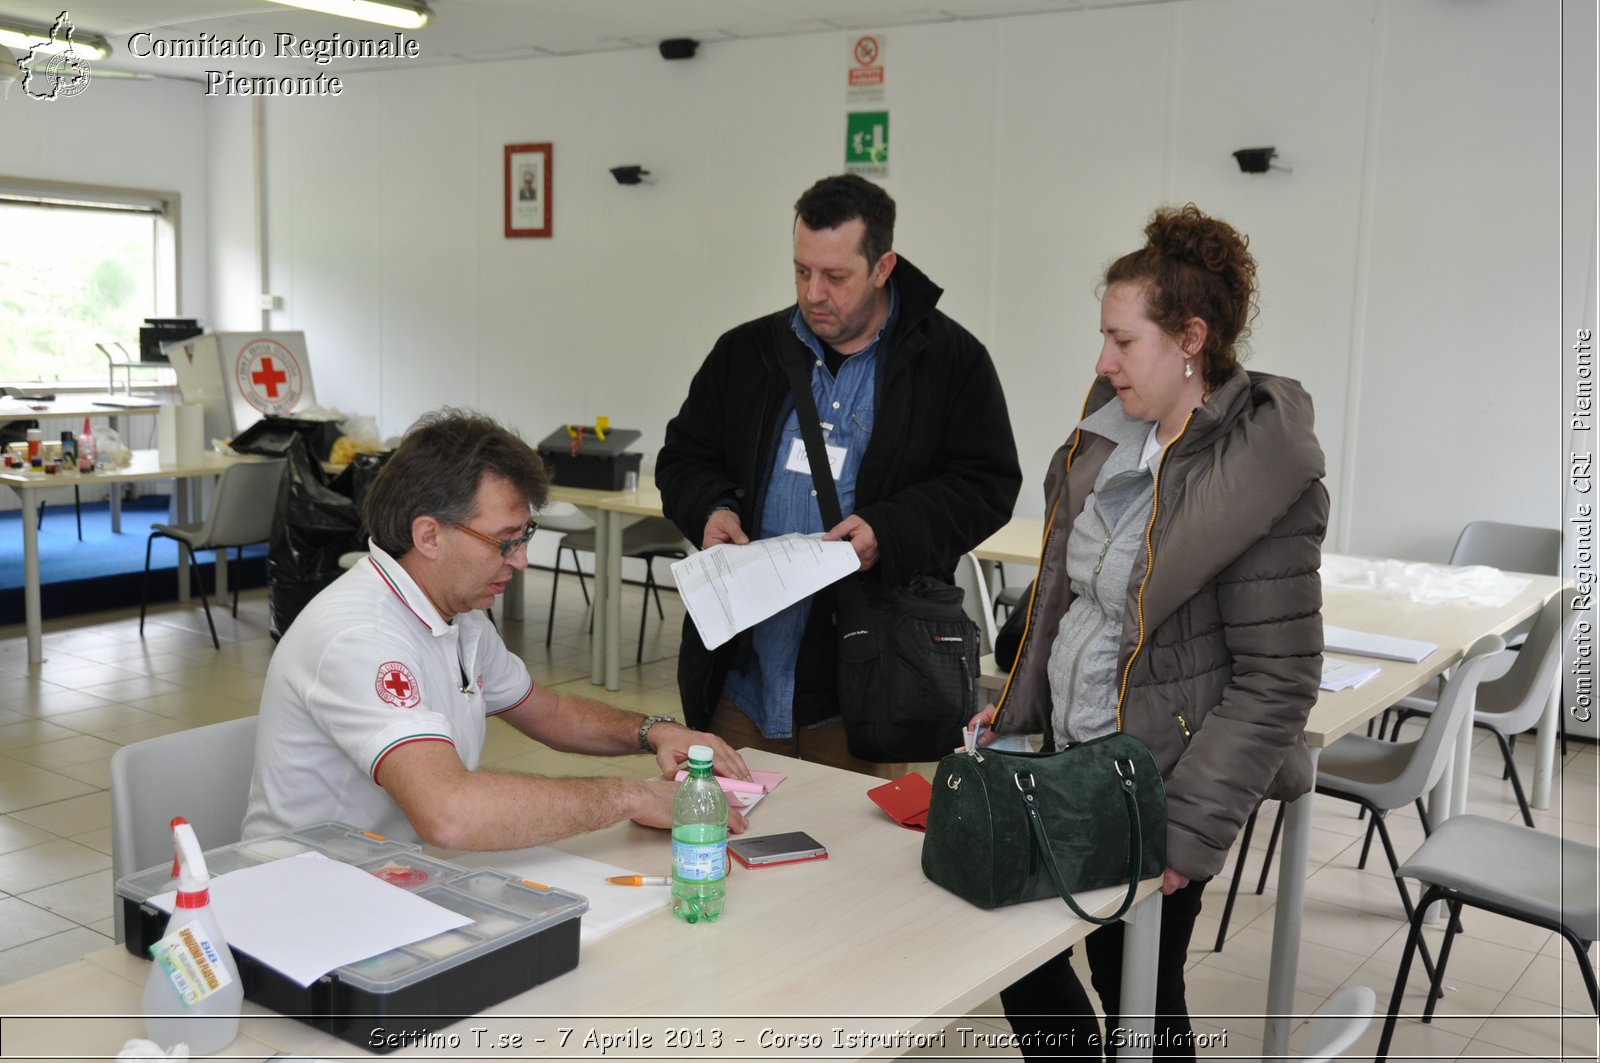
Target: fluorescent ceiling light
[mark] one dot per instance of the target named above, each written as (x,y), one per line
(399,13)
(21,36)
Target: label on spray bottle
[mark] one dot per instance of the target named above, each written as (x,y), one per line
(189,958)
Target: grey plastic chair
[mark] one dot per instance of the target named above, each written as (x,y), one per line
(1339,1024)
(569,519)
(202,774)
(1511,870)
(975,599)
(1514,702)
(647,539)
(1382,776)
(242,514)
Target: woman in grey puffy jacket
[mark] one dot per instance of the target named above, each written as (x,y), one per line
(1177,597)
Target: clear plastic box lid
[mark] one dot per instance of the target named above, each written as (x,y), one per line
(503,908)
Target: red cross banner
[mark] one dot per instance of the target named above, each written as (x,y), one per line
(270,377)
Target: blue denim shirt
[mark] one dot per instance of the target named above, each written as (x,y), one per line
(847,402)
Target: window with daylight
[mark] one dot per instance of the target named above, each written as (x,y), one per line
(80,265)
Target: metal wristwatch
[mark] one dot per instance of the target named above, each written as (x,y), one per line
(644,730)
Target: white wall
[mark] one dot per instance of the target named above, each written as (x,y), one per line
(1410,263)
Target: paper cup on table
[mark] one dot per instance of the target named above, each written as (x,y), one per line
(191,434)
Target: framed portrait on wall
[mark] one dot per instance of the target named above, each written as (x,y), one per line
(528,190)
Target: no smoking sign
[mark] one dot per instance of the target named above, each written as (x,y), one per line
(866,61)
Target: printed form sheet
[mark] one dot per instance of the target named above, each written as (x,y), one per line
(730,588)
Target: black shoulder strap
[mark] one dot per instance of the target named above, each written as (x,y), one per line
(797,362)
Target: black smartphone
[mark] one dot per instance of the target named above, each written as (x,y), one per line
(771,849)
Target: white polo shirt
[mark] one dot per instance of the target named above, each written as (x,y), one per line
(367,667)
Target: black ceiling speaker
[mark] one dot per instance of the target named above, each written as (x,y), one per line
(679,48)
(629,175)
(1255,160)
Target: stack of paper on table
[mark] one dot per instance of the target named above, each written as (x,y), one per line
(744,795)
(1366,644)
(610,906)
(1344,675)
(307,915)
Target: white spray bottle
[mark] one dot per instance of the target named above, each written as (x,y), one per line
(193,994)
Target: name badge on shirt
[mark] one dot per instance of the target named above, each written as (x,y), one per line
(798,462)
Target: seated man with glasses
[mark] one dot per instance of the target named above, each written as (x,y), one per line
(377,699)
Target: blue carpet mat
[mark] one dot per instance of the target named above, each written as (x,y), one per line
(105,569)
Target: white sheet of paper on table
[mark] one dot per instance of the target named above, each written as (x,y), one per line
(1345,675)
(1367,644)
(730,588)
(306,915)
(610,906)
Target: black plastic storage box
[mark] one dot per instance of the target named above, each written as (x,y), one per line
(273,436)
(577,457)
(521,935)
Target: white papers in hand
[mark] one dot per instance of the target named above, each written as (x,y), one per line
(306,915)
(1367,644)
(730,588)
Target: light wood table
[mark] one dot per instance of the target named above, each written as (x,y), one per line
(860,943)
(146,465)
(1018,543)
(611,511)
(1453,627)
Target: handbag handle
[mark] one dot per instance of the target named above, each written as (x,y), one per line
(1042,841)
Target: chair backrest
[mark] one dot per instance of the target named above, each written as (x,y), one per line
(1430,753)
(244,507)
(975,599)
(563,517)
(202,774)
(1339,1024)
(1509,547)
(1513,703)
(654,535)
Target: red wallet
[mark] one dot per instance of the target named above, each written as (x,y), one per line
(906,799)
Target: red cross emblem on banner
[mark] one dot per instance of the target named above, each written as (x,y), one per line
(269,377)
(397,686)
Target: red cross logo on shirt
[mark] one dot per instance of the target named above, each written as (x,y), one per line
(269,377)
(397,686)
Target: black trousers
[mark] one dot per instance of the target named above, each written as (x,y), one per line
(1049,1009)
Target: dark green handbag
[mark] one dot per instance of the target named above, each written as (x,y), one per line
(1004,828)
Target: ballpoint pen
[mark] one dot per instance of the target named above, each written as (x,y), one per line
(640,880)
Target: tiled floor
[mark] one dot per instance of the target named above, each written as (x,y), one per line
(1513,991)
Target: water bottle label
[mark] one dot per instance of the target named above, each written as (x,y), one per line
(192,962)
(700,863)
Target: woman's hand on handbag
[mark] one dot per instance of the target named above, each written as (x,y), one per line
(1172,881)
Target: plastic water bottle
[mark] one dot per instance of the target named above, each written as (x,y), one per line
(699,843)
(193,994)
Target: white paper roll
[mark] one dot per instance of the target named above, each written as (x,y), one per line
(191,434)
(167,435)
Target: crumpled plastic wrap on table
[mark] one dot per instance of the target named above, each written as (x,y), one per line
(1418,581)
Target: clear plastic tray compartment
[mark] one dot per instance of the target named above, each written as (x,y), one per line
(410,871)
(142,885)
(488,920)
(343,842)
(519,895)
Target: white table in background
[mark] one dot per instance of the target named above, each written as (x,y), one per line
(860,941)
(74,407)
(146,465)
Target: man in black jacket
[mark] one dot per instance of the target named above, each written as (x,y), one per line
(918,440)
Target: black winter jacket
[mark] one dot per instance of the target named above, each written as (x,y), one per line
(939,475)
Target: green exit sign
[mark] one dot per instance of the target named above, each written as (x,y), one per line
(866,143)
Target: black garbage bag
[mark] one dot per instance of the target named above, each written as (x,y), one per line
(319,521)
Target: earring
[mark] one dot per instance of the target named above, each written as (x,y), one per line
(1188,368)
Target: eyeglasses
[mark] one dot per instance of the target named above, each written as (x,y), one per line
(507,547)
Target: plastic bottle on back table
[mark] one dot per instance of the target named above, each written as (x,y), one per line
(699,843)
(193,994)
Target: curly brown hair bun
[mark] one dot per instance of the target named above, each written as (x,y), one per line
(1195,266)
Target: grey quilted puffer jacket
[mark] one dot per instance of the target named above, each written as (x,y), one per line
(1222,638)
